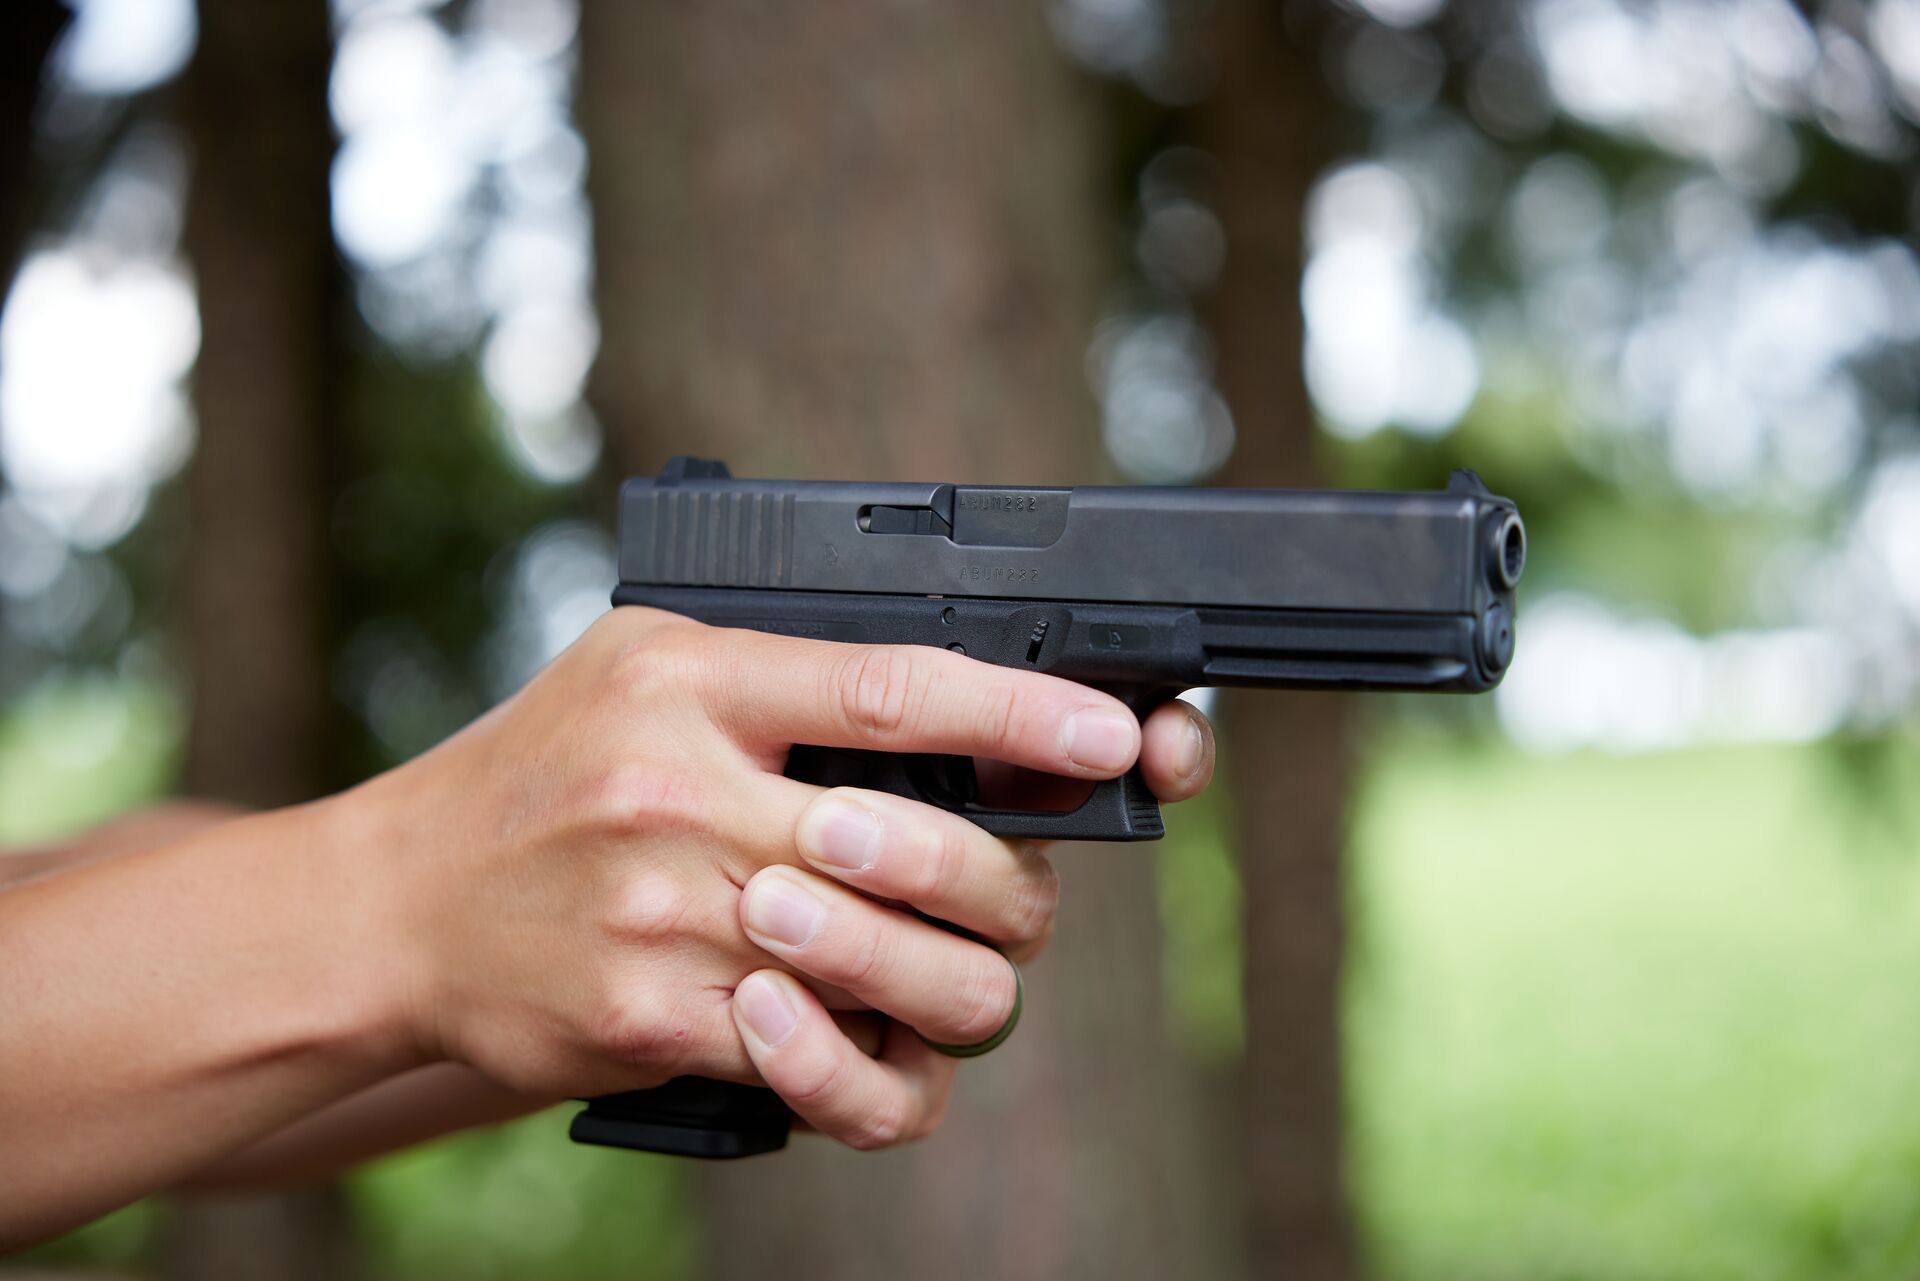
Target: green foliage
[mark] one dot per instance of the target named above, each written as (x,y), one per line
(430,506)
(81,748)
(1632,1018)
(522,1201)
(1665,554)
(122,1240)
(1650,544)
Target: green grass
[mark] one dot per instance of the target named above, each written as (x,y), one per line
(1633,1018)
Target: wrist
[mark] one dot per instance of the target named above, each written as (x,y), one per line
(351,837)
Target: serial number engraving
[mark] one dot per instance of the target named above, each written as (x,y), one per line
(999,502)
(998,574)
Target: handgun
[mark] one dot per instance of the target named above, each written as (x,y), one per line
(1139,591)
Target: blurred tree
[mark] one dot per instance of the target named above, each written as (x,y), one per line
(257,582)
(29,29)
(1271,124)
(854,242)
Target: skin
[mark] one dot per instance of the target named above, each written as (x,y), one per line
(602,884)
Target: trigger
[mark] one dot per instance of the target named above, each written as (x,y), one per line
(946,781)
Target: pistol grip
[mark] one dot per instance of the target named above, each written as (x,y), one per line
(698,1117)
(688,1116)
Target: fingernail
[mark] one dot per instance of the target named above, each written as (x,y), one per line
(778,909)
(1193,748)
(1096,738)
(840,834)
(769,1014)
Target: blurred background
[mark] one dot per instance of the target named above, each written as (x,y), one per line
(331,330)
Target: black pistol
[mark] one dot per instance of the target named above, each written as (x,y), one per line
(1143,592)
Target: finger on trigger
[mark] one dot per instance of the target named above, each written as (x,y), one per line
(916,698)
(1177,751)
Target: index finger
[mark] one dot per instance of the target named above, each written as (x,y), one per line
(780,690)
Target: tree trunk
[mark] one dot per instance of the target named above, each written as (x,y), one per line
(1285,754)
(256,590)
(258,239)
(29,29)
(850,241)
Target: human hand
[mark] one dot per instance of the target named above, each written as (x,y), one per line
(606,882)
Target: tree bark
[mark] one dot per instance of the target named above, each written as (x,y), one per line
(834,238)
(257,578)
(260,244)
(29,29)
(1286,755)
(850,241)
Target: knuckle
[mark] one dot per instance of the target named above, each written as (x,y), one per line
(1000,717)
(935,1113)
(868,960)
(943,858)
(652,906)
(663,655)
(643,1031)
(614,634)
(1034,900)
(815,1083)
(983,1000)
(651,796)
(876,688)
(883,1126)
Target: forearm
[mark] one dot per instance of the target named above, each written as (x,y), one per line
(160,1010)
(398,1113)
(391,1114)
(143,830)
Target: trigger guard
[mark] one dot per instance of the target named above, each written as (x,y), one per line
(1117,809)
